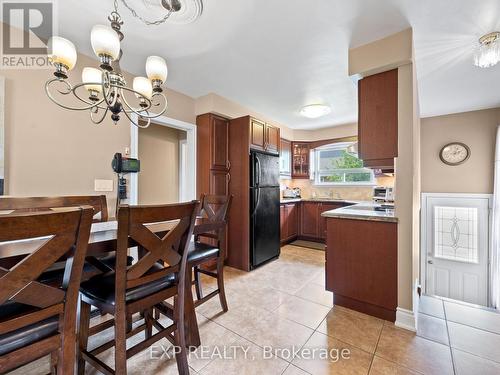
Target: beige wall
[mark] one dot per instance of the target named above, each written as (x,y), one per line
(159,155)
(339,131)
(477,130)
(52,151)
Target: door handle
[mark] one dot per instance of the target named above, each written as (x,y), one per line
(430,261)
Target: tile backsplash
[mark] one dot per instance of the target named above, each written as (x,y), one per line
(309,190)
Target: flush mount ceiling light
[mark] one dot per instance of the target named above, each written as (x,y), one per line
(487,53)
(315,110)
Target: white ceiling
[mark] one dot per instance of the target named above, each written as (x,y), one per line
(275,56)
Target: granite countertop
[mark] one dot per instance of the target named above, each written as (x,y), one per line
(362,211)
(326,200)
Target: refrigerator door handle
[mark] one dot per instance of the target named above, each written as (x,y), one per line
(258,171)
(256,201)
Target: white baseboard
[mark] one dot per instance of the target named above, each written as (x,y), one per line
(406,319)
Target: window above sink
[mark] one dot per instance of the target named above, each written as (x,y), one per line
(338,164)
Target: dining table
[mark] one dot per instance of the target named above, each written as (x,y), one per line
(102,241)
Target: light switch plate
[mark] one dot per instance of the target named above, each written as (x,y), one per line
(103,185)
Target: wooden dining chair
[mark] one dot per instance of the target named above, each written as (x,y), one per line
(212,226)
(37,319)
(33,204)
(159,274)
(94,265)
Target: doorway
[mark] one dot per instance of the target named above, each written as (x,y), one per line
(455,246)
(167,150)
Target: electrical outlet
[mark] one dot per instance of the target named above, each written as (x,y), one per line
(103,185)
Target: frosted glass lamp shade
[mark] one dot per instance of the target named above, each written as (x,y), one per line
(156,68)
(105,41)
(143,86)
(62,51)
(92,75)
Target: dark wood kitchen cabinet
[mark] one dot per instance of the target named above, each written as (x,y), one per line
(362,265)
(312,224)
(309,219)
(378,119)
(289,222)
(264,137)
(300,160)
(212,166)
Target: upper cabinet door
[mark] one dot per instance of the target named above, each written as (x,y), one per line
(220,143)
(378,119)
(272,139)
(257,134)
(286,158)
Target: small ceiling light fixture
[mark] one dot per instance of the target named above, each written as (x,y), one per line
(487,53)
(315,110)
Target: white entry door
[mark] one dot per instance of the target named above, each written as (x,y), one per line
(455,246)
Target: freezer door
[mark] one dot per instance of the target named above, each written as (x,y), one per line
(266,170)
(265,225)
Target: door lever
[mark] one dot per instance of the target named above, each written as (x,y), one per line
(430,261)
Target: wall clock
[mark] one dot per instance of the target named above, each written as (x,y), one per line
(454,153)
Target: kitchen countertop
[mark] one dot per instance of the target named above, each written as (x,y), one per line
(362,211)
(325,200)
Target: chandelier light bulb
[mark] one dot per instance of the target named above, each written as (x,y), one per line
(156,68)
(143,86)
(487,53)
(94,76)
(105,42)
(62,54)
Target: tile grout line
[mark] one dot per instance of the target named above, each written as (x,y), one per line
(449,339)
(376,347)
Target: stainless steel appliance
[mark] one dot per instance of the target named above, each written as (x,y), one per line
(264,208)
(383,194)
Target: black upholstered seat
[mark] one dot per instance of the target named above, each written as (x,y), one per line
(199,251)
(26,335)
(101,288)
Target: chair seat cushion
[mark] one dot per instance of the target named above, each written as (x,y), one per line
(200,251)
(26,335)
(101,288)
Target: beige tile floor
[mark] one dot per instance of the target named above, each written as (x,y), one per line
(283,307)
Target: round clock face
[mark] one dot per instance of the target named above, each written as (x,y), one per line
(454,153)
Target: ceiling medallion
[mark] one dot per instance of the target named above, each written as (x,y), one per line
(104,90)
(178,11)
(487,52)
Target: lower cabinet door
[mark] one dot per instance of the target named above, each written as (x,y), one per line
(293,222)
(283,223)
(309,220)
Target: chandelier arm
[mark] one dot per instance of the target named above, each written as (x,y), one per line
(138,112)
(139,116)
(51,97)
(98,121)
(96,103)
(130,107)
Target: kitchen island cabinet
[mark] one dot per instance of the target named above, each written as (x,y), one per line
(361,265)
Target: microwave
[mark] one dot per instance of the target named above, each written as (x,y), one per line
(383,194)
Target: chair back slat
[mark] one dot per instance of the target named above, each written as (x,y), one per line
(166,251)
(63,231)
(37,204)
(214,211)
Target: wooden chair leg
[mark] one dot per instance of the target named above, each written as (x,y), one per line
(148,320)
(83,335)
(180,342)
(54,359)
(121,324)
(197,283)
(220,284)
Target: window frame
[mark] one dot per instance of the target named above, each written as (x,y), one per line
(317,173)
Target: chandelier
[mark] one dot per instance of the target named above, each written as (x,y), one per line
(104,90)
(487,53)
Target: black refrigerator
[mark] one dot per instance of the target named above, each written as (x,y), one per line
(264,208)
